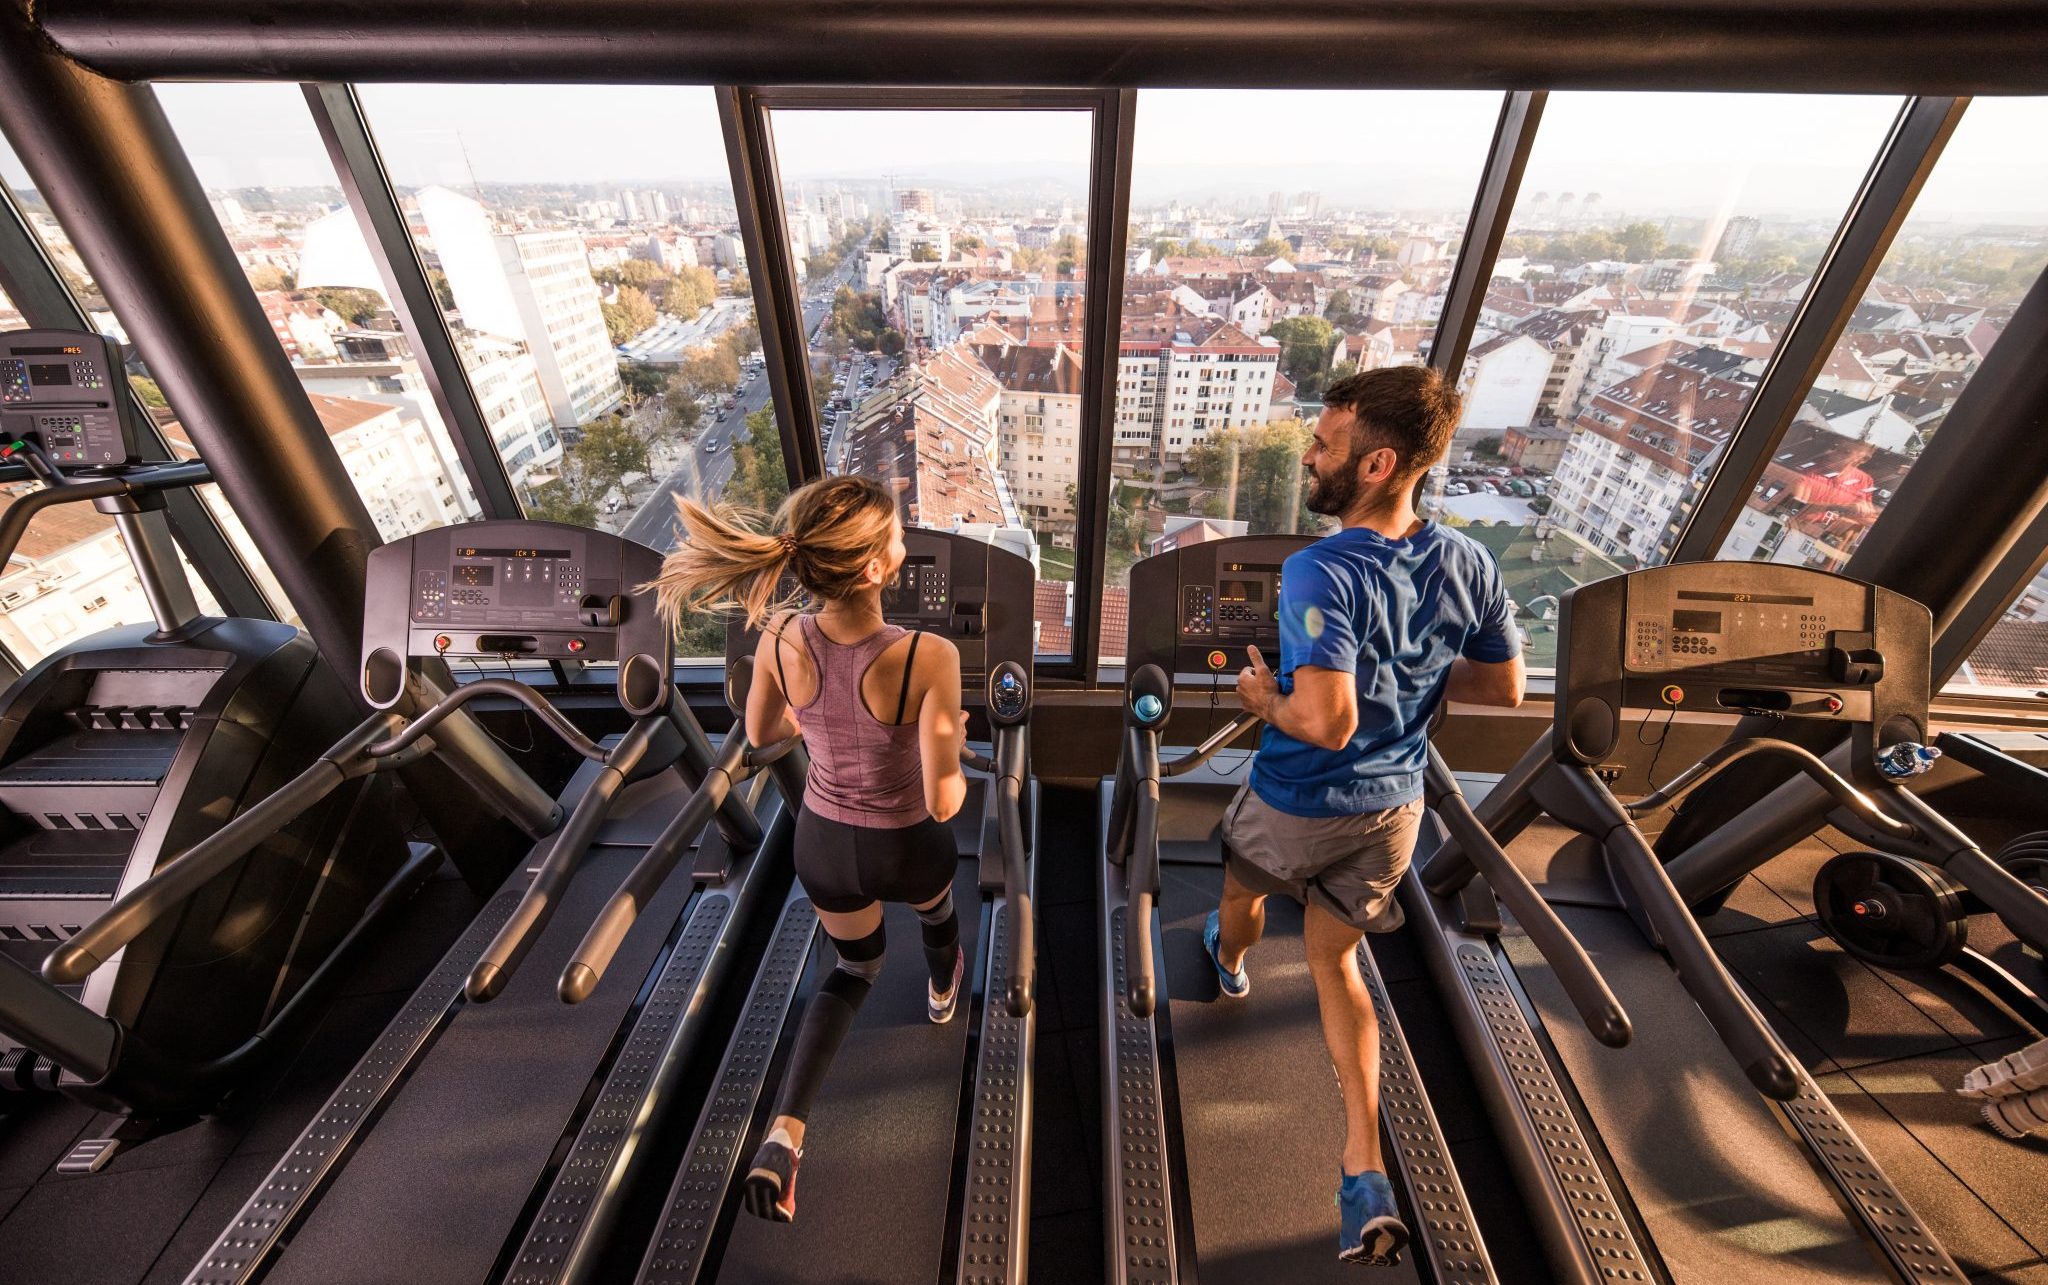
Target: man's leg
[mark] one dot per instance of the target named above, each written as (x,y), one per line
(1243,913)
(1349,1029)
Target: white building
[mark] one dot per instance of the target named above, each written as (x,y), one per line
(530,286)
(1175,390)
(1503,383)
(69,578)
(1038,430)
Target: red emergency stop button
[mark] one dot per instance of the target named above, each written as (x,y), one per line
(1673,694)
(1217,659)
(442,642)
(1833,704)
(575,645)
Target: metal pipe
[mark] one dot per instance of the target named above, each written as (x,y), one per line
(155,557)
(1141,871)
(501,958)
(1834,46)
(506,688)
(608,931)
(1597,1007)
(1837,786)
(1207,750)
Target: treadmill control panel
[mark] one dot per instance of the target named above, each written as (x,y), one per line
(1753,638)
(971,592)
(507,590)
(67,389)
(1194,610)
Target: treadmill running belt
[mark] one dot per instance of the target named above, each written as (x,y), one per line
(433,1192)
(1261,1114)
(877,1171)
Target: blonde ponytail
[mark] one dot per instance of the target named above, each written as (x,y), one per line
(734,559)
(724,562)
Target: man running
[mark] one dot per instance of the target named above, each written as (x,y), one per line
(1378,622)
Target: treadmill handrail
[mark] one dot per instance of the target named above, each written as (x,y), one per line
(498,962)
(1729,753)
(1013,752)
(557,722)
(1207,750)
(178,879)
(1141,874)
(74,489)
(1597,1006)
(586,967)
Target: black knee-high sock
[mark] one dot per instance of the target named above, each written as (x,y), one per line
(827,1018)
(941,930)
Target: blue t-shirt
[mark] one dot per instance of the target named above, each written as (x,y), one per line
(1394,613)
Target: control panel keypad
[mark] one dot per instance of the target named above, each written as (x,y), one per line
(1198,609)
(14,381)
(430,596)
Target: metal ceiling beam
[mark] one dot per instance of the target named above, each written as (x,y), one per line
(1839,46)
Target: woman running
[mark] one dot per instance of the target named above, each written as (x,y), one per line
(879,707)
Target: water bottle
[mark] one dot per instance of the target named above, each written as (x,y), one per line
(1906,758)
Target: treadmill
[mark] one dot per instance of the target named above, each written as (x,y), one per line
(1703,1152)
(493,1131)
(918,1157)
(1220,1119)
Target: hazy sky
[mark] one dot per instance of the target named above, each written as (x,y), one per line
(1647,153)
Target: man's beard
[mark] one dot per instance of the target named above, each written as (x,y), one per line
(1332,496)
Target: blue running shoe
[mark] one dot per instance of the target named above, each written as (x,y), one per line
(1370,1231)
(1235,985)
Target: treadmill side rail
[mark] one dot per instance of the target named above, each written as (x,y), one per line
(681,1246)
(1449,1234)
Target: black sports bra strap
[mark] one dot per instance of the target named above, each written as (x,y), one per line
(781,674)
(909,662)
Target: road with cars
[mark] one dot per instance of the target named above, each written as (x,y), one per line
(707,466)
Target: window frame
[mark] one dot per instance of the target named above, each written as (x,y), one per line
(750,140)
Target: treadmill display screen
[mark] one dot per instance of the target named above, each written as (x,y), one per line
(47,373)
(472,574)
(1698,622)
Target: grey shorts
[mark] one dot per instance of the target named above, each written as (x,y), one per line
(1350,866)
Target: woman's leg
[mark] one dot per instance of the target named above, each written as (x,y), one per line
(939,923)
(859,939)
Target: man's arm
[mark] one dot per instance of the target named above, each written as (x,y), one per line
(1475,682)
(1322,710)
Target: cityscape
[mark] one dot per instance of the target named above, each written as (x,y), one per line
(608,332)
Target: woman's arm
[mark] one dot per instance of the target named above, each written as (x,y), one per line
(941,728)
(768,716)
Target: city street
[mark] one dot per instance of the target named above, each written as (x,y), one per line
(707,464)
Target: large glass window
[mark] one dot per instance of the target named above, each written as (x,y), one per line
(1974,242)
(1266,260)
(584,244)
(70,576)
(271,185)
(942,256)
(1652,261)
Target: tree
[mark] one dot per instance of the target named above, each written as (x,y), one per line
(148,389)
(357,307)
(1254,474)
(711,370)
(690,292)
(856,322)
(264,278)
(1273,248)
(611,448)
(892,342)
(680,415)
(880,241)
(1166,248)
(1342,312)
(642,381)
(924,252)
(967,243)
(1306,344)
(444,293)
(759,478)
(1202,250)
(629,314)
(561,501)
(1641,241)
(739,287)
(1125,542)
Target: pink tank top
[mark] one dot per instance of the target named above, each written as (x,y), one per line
(863,771)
